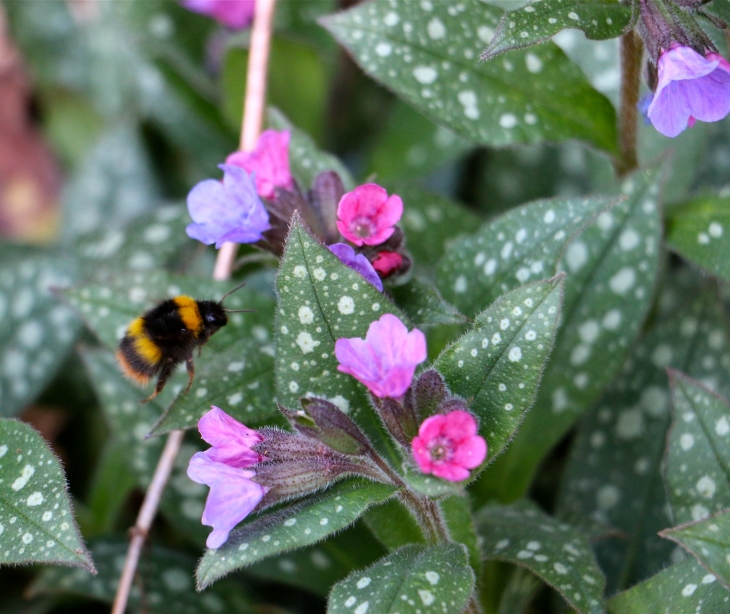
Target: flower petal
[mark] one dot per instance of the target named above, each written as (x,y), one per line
(230,439)
(470,452)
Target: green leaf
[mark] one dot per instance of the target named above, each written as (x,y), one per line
(36,331)
(322,300)
(614,472)
(426,53)
(460,523)
(497,365)
(130,422)
(424,305)
(697,466)
(539,21)
(611,272)
(407,581)
(393,524)
(36,520)
(524,244)
(164,584)
(305,158)
(293,527)
(431,222)
(685,588)
(697,230)
(557,553)
(708,541)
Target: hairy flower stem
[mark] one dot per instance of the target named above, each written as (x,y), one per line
(631,50)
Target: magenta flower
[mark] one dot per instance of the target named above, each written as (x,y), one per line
(227,211)
(358,262)
(234,14)
(690,87)
(367,216)
(386,359)
(269,162)
(225,469)
(448,446)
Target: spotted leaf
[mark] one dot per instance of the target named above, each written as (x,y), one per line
(497,364)
(408,581)
(294,527)
(697,466)
(522,245)
(36,332)
(700,231)
(427,53)
(322,300)
(36,521)
(556,552)
(539,21)
(165,583)
(130,423)
(684,588)
(708,541)
(424,305)
(611,272)
(613,475)
(305,158)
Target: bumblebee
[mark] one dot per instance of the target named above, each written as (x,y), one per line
(166,335)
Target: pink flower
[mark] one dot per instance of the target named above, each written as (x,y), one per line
(387,263)
(367,216)
(269,162)
(690,87)
(386,359)
(234,14)
(448,447)
(225,469)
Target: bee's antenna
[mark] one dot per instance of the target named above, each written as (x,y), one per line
(240,310)
(227,294)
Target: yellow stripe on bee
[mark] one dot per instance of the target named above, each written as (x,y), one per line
(143,345)
(189,313)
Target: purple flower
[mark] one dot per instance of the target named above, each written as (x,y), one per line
(227,211)
(690,87)
(386,359)
(234,14)
(357,262)
(225,469)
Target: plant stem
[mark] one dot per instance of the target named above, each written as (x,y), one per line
(145,517)
(253,107)
(631,49)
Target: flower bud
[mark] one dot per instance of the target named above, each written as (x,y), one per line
(400,420)
(426,394)
(326,192)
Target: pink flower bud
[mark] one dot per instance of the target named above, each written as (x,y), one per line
(234,14)
(387,263)
(448,447)
(367,215)
(386,359)
(269,163)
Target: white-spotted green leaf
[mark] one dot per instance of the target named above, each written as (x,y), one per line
(613,475)
(322,300)
(424,305)
(457,513)
(697,466)
(165,583)
(427,54)
(130,423)
(611,271)
(305,159)
(393,524)
(149,242)
(684,588)
(430,222)
(36,330)
(292,527)
(539,21)
(708,541)
(36,520)
(524,244)
(413,579)
(498,363)
(700,231)
(556,552)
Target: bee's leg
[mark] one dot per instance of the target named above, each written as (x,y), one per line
(191,372)
(161,380)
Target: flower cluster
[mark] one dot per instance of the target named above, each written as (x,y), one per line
(258,196)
